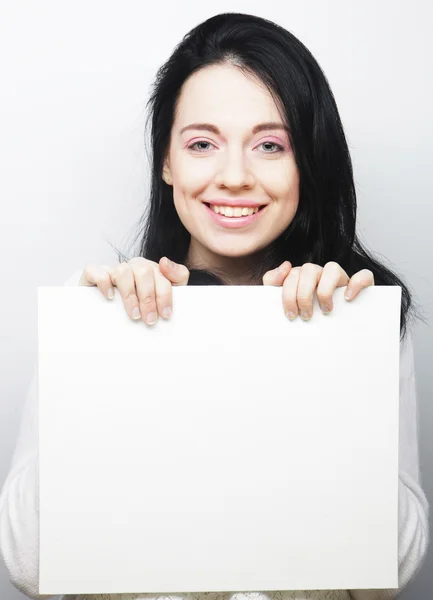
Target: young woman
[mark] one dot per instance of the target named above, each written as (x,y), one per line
(251,184)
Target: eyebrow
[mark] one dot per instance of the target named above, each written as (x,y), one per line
(216,131)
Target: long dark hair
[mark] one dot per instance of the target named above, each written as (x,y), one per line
(323,228)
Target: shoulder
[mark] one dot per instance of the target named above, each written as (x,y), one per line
(407,354)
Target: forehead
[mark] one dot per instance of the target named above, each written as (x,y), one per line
(226,96)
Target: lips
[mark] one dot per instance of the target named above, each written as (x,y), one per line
(240,202)
(233,222)
(259,206)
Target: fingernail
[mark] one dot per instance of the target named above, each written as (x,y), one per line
(167,312)
(304,315)
(282,268)
(290,315)
(170,263)
(110,293)
(324,309)
(136,313)
(151,318)
(348,294)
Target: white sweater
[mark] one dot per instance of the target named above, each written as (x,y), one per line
(19,507)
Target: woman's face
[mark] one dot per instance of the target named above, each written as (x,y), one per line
(218,155)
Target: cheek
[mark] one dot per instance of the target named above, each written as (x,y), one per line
(187,187)
(283,185)
(188,178)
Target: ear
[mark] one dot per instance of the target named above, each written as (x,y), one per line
(166,173)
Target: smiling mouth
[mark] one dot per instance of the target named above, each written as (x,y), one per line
(233,211)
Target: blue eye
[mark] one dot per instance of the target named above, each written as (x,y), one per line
(278,146)
(199,142)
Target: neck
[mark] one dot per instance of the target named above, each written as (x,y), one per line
(233,270)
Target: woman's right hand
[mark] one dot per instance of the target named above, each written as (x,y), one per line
(145,285)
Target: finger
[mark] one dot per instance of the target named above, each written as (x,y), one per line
(277,276)
(358,282)
(145,285)
(164,296)
(97,275)
(174,272)
(123,277)
(333,276)
(290,290)
(140,261)
(308,280)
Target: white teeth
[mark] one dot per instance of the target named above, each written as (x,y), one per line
(237,211)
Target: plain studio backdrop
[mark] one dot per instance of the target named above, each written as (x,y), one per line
(73,171)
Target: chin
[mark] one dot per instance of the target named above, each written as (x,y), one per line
(235,250)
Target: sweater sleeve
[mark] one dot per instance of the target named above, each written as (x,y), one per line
(413,507)
(19,497)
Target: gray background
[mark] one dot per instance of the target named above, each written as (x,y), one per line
(73,169)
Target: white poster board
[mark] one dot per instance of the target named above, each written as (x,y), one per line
(227,449)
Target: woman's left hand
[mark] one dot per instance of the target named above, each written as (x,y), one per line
(299,285)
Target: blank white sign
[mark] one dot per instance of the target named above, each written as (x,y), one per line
(227,449)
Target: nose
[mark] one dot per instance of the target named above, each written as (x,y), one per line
(234,173)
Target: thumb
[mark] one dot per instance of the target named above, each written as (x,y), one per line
(176,273)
